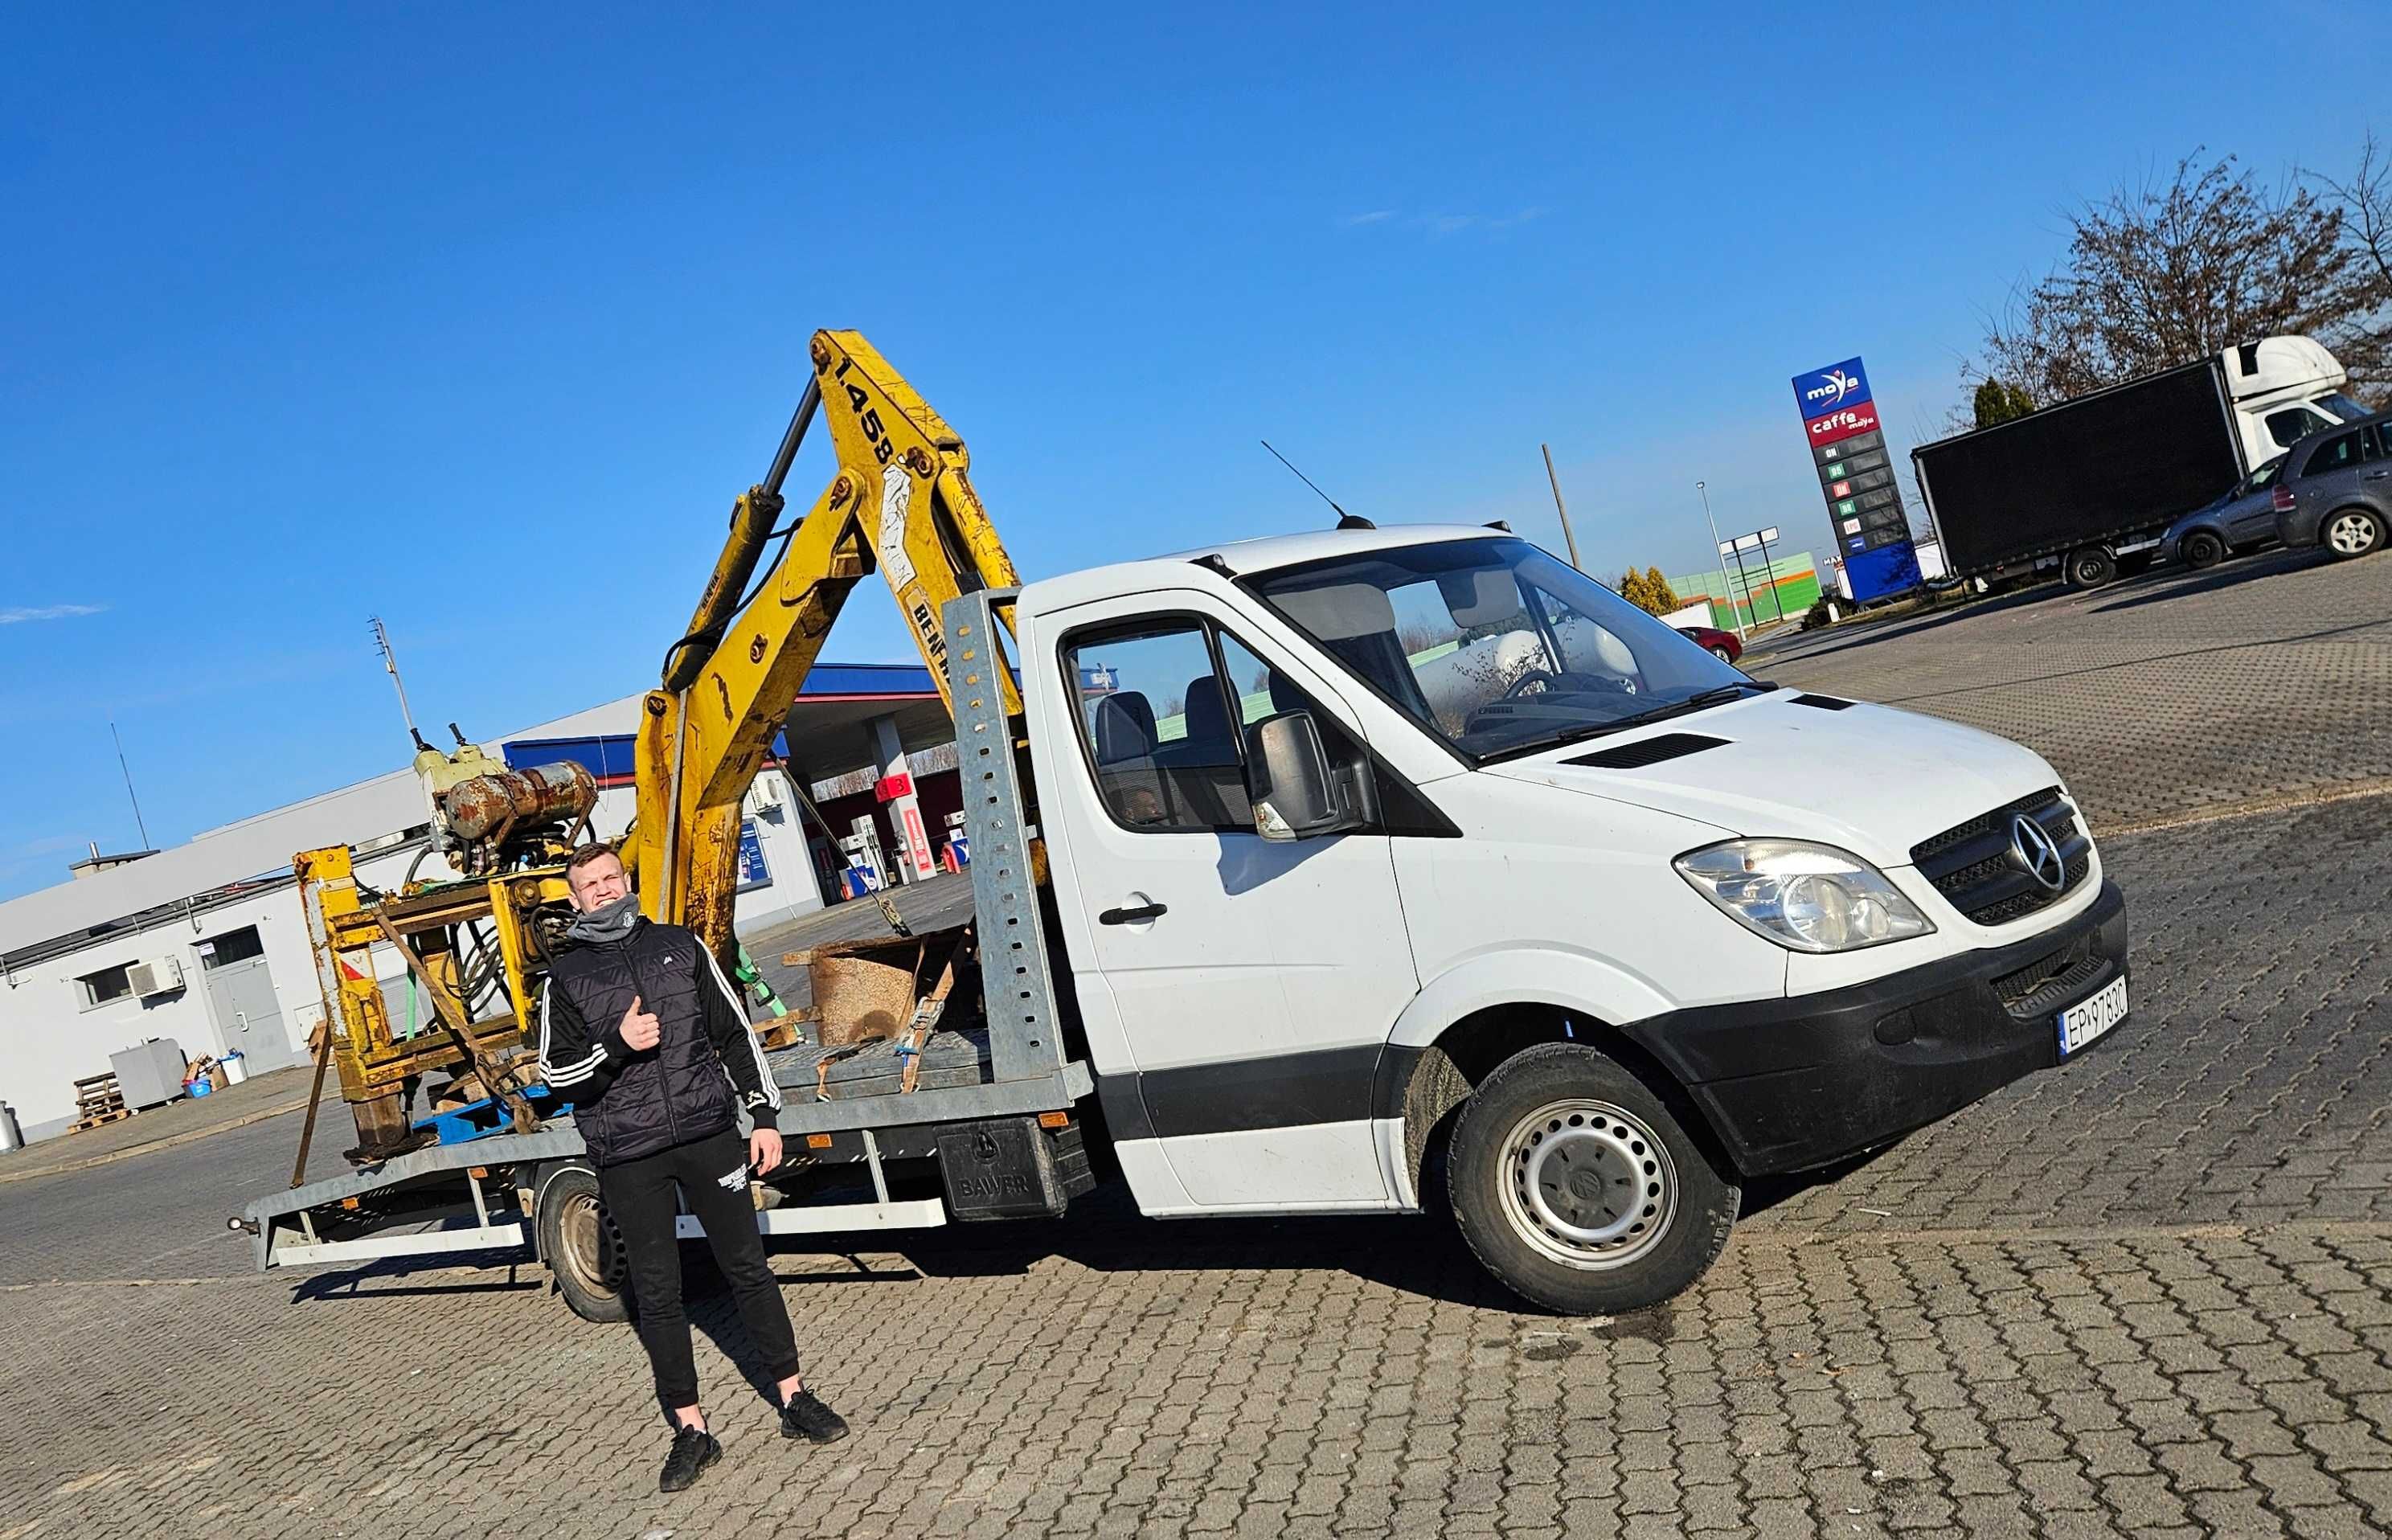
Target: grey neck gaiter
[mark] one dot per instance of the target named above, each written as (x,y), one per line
(608,923)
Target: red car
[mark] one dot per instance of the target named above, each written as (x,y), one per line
(1720,644)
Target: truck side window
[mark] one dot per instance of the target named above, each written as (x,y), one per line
(1158,729)
(1166,734)
(2294,423)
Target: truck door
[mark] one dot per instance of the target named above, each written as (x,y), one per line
(1253,982)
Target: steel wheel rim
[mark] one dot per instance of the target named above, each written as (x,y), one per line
(1587,1184)
(591,1247)
(2203,551)
(2351,534)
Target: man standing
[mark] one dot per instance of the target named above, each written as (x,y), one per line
(638,1028)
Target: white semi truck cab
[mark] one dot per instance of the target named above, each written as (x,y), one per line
(1387,858)
(2283,389)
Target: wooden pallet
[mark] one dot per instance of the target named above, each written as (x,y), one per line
(98,1101)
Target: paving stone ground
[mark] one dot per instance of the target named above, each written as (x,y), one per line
(2149,1293)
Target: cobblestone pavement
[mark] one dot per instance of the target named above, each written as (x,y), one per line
(2175,693)
(2149,1293)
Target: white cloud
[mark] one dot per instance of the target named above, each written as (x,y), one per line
(1436,226)
(18,615)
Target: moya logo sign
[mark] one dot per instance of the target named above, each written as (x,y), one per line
(1832,388)
(1829,389)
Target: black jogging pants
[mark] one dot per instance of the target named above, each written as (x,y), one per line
(712,1177)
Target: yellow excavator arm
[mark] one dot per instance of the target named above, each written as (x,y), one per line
(901,501)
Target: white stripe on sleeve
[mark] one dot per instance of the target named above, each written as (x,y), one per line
(739,1009)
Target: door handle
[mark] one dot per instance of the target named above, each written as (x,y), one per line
(1134,916)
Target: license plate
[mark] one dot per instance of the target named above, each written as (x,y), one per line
(2086,1020)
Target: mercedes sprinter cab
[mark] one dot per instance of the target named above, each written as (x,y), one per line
(1385,858)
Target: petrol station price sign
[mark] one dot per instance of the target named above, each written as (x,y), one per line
(1839,418)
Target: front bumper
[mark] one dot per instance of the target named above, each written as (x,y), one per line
(1790,1084)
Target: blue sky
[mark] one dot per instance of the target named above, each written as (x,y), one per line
(477,318)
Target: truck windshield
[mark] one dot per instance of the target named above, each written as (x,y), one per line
(1494,645)
(2343,407)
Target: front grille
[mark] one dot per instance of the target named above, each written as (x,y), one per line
(1976,868)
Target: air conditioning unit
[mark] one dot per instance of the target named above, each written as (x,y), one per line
(765,795)
(161,977)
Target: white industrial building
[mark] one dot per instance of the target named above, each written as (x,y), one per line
(204,944)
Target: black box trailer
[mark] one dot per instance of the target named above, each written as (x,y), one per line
(2088,483)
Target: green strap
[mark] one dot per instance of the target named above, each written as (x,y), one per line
(752,980)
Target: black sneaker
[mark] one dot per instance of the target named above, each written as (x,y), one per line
(693,1449)
(805,1417)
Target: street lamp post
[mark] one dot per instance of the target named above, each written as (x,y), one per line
(1716,552)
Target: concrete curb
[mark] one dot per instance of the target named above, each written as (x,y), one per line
(185,1137)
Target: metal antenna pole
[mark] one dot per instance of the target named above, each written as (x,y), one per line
(390,662)
(1558,506)
(129,794)
(1716,551)
(1345,519)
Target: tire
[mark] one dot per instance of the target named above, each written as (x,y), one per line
(2202,548)
(2349,532)
(2091,567)
(1537,1155)
(1723,656)
(579,1243)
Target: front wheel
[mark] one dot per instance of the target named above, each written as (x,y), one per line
(581,1246)
(2202,549)
(1578,1189)
(1723,656)
(2349,532)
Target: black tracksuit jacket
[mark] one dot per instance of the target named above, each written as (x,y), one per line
(707,1065)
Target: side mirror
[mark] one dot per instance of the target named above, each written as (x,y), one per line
(1294,796)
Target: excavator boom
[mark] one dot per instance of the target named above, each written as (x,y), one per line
(901,501)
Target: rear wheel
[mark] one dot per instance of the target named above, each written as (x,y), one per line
(1722,654)
(2202,548)
(1579,1188)
(2091,567)
(580,1245)
(2349,532)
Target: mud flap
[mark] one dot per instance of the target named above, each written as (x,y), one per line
(1004,1168)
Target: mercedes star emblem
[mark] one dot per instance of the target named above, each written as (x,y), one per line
(2037,853)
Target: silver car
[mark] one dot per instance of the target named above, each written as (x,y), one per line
(2336,490)
(2243,518)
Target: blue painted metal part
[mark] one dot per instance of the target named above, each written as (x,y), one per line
(483,1118)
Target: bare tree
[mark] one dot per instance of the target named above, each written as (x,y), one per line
(2164,273)
(2365,204)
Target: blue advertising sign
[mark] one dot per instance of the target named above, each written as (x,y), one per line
(1888,570)
(1821,391)
(753,872)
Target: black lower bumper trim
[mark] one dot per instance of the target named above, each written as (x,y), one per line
(1790,1084)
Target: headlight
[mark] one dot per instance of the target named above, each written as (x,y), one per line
(1812,899)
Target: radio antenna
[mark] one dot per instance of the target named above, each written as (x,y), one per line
(390,662)
(1345,519)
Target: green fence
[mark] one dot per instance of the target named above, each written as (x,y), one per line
(1789,585)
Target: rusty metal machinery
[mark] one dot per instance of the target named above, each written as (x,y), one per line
(471,952)
(483,817)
